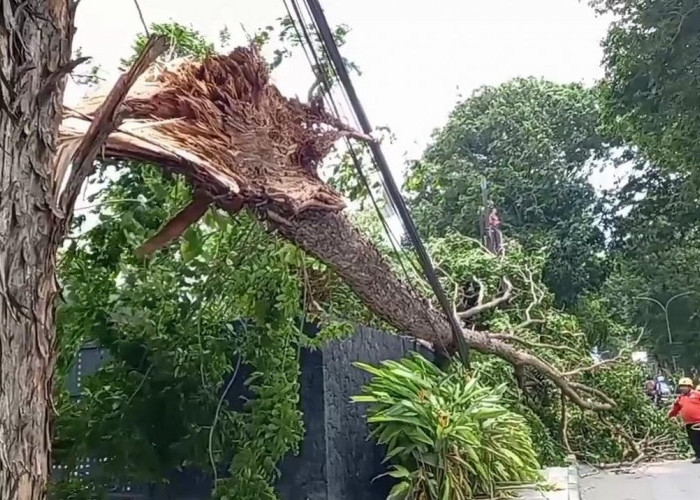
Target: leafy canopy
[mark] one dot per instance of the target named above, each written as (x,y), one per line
(652,59)
(534,143)
(226,303)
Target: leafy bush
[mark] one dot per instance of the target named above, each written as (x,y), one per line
(448,436)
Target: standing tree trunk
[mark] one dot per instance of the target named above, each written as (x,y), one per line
(35,49)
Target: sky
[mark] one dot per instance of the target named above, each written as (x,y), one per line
(417,57)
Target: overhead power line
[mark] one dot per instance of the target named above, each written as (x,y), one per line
(392,189)
(142,18)
(299,23)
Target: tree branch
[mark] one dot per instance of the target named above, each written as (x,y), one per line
(606,362)
(105,120)
(176,226)
(619,431)
(565,426)
(481,307)
(595,392)
(320,228)
(371,277)
(531,344)
(536,299)
(55,77)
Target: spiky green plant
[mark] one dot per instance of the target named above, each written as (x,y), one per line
(447,435)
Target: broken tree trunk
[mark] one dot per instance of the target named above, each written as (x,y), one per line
(237,139)
(370,276)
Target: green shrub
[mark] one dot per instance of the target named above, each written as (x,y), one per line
(448,436)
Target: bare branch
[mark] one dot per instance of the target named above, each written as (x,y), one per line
(607,362)
(481,307)
(571,389)
(455,297)
(55,77)
(536,299)
(482,291)
(485,342)
(595,392)
(353,134)
(621,432)
(565,426)
(176,226)
(532,345)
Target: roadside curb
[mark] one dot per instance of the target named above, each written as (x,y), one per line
(573,486)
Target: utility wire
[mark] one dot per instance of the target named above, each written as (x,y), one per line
(143,20)
(399,250)
(319,70)
(392,189)
(320,73)
(348,105)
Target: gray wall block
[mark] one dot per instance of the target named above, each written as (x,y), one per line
(336,460)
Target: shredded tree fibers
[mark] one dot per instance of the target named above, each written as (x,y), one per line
(223,120)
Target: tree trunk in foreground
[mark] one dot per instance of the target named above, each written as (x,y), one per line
(35,39)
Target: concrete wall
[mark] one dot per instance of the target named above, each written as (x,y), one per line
(353,460)
(337,461)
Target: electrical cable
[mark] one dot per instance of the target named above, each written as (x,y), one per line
(142,18)
(399,250)
(393,192)
(320,71)
(347,101)
(315,63)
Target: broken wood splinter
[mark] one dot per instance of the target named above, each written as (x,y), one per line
(176,226)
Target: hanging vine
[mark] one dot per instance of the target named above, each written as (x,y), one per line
(189,331)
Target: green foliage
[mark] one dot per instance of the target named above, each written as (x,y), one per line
(537,406)
(448,436)
(603,315)
(291,37)
(635,421)
(649,98)
(183,41)
(652,56)
(534,142)
(228,301)
(655,250)
(564,341)
(468,266)
(175,329)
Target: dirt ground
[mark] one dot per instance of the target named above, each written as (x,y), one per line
(664,481)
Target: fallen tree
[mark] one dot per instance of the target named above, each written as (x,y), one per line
(242,145)
(633,430)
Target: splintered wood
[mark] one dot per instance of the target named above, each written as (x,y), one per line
(223,124)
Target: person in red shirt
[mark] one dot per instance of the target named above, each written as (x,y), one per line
(688,407)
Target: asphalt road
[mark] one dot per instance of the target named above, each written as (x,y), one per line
(664,481)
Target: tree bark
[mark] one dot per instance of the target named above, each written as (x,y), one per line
(35,49)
